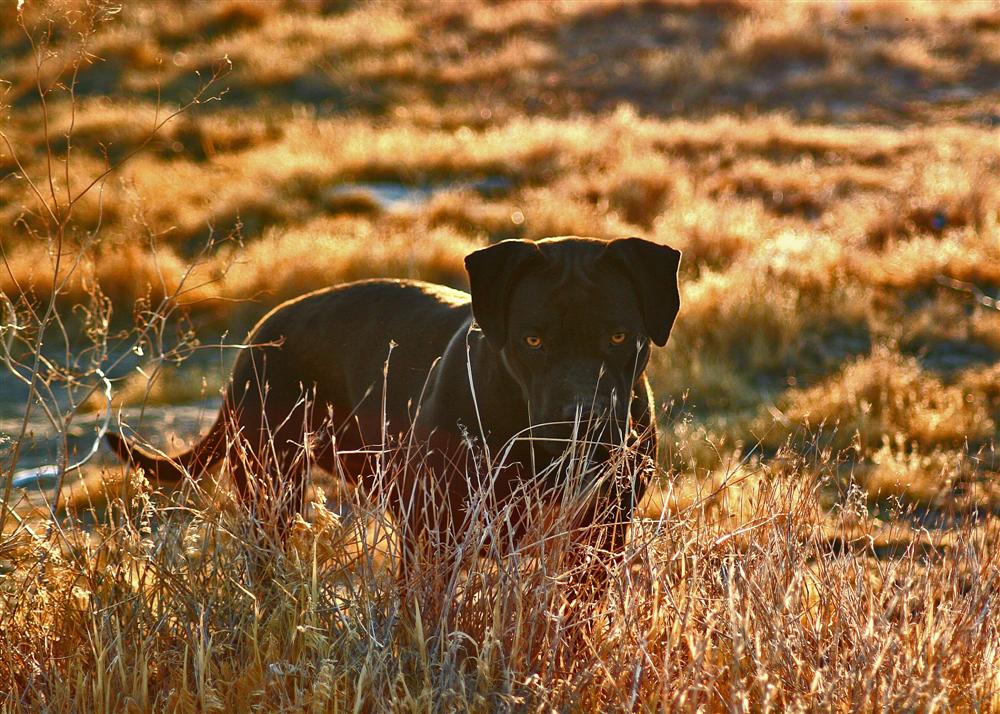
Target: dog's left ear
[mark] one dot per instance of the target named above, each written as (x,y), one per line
(652,268)
(492,272)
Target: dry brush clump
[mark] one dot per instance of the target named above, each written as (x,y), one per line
(177,603)
(884,395)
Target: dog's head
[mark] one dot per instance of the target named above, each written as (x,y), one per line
(572,320)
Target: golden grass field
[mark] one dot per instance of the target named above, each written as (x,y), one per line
(825,529)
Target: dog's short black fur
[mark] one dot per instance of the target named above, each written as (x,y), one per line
(558,346)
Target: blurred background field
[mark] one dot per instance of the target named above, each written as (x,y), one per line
(830,170)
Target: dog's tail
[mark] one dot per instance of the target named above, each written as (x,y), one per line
(172,470)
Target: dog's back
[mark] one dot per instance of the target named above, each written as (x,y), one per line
(323,353)
(342,339)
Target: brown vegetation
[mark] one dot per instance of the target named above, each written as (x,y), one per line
(825,533)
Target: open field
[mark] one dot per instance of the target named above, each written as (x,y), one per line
(825,533)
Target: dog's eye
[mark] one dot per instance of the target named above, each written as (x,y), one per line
(618,338)
(533,341)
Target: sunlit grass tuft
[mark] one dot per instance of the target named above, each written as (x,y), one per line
(735,582)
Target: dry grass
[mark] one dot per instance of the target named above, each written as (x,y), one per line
(754,593)
(824,531)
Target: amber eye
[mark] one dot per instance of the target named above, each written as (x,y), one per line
(533,341)
(618,338)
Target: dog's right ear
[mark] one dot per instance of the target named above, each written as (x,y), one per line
(492,272)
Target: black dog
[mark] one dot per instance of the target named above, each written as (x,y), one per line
(554,354)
